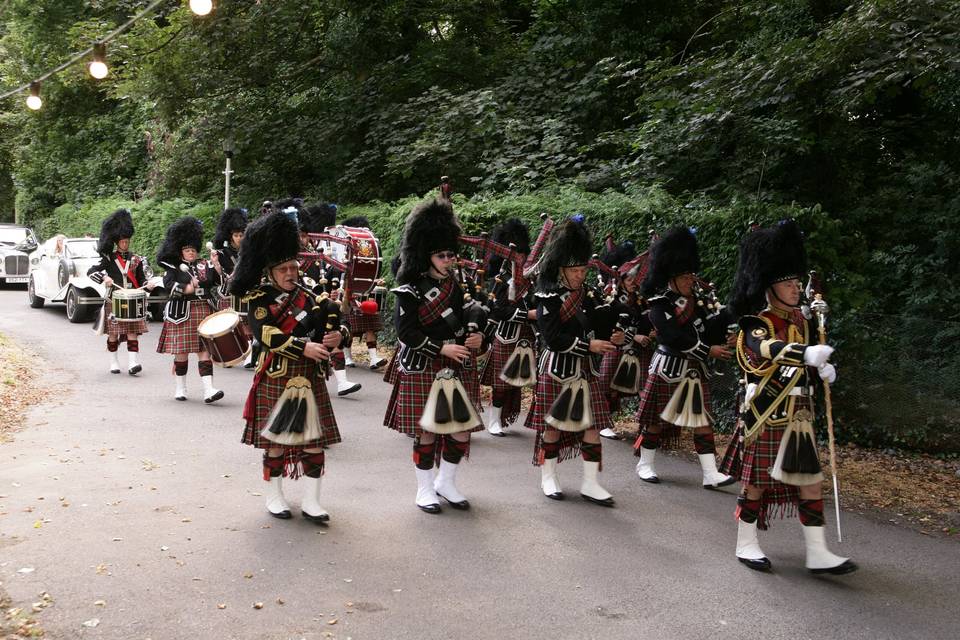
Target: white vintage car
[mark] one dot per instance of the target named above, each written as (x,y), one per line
(59,274)
(15,242)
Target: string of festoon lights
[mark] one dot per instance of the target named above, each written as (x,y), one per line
(97,67)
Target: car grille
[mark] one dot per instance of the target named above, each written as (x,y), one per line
(15,265)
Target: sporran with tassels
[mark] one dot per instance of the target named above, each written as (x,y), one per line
(520,369)
(798,463)
(629,375)
(686,407)
(295,419)
(570,411)
(448,408)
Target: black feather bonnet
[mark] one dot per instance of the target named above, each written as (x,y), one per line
(185,232)
(230,220)
(673,254)
(430,227)
(511,230)
(315,218)
(357,221)
(116,226)
(570,245)
(268,241)
(767,256)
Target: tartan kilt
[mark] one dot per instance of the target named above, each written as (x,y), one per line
(183,338)
(547,391)
(361,322)
(268,390)
(411,390)
(654,398)
(117,331)
(390,372)
(497,358)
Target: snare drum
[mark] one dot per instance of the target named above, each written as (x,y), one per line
(129,305)
(222,336)
(239,304)
(360,251)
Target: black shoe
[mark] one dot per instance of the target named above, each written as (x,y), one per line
(323,518)
(114,370)
(654,480)
(283,515)
(250,365)
(757,565)
(726,483)
(356,387)
(135,369)
(556,496)
(350,364)
(214,397)
(843,569)
(379,363)
(608,502)
(180,398)
(463,505)
(430,508)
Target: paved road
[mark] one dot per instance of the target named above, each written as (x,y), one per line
(117,493)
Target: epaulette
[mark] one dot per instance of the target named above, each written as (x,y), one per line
(758,327)
(259,292)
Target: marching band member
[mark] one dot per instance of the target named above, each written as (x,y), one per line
(569,408)
(315,218)
(774,451)
(191,284)
(119,269)
(675,394)
(224,256)
(436,393)
(363,322)
(514,342)
(287,412)
(623,371)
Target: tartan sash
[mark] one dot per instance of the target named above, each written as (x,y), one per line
(432,310)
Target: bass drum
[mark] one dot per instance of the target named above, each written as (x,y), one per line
(360,251)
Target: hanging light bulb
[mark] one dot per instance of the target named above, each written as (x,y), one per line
(201,7)
(33,100)
(98,68)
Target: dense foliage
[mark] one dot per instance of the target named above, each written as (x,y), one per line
(638,113)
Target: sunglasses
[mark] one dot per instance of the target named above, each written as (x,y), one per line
(445,255)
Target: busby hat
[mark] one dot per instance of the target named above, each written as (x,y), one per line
(357,221)
(512,230)
(116,226)
(674,253)
(767,256)
(314,218)
(620,254)
(230,220)
(185,232)
(430,227)
(570,245)
(268,241)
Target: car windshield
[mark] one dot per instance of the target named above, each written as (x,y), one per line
(12,235)
(82,248)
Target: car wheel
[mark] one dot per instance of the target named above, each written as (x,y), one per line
(62,275)
(76,312)
(35,302)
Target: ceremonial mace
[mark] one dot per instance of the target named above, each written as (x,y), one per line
(820,307)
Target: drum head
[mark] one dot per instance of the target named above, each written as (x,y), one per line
(219,323)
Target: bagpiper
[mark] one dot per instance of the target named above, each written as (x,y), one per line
(192,286)
(622,372)
(287,412)
(119,268)
(365,320)
(512,359)
(774,452)
(569,408)
(676,395)
(436,392)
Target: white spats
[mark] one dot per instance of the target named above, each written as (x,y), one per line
(114,362)
(210,394)
(494,427)
(590,489)
(819,558)
(375,360)
(181,392)
(344,386)
(348,357)
(427,498)
(310,505)
(276,504)
(549,480)
(645,469)
(445,485)
(133,363)
(748,546)
(711,477)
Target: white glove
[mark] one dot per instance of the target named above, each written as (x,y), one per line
(828,372)
(817,355)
